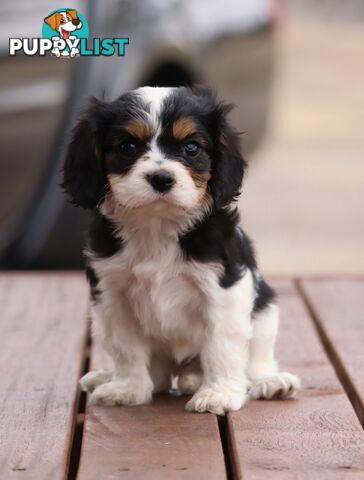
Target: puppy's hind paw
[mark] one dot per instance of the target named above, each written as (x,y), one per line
(279,385)
(93,379)
(189,383)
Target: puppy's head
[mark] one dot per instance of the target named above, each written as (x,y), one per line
(171,148)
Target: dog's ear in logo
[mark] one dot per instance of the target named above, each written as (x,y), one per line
(73,14)
(53,21)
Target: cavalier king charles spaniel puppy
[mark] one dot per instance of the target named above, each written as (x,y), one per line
(176,292)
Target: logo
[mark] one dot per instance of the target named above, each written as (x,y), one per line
(65,34)
(70,26)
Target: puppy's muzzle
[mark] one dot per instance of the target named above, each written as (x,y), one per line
(161,181)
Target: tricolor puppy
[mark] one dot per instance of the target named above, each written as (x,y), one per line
(64,23)
(174,281)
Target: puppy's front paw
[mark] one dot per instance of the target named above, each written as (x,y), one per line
(278,385)
(91,380)
(121,392)
(216,400)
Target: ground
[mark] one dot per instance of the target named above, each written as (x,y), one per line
(302,200)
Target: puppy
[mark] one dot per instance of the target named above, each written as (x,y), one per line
(64,23)
(174,281)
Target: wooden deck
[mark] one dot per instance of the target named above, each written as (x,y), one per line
(48,432)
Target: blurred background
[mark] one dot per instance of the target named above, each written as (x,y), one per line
(294,69)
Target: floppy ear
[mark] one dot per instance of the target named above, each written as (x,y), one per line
(52,20)
(73,13)
(84,179)
(228,163)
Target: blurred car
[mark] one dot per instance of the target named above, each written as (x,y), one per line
(227,44)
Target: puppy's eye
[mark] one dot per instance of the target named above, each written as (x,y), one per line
(62,20)
(192,148)
(128,148)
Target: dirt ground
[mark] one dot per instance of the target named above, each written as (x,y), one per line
(303,199)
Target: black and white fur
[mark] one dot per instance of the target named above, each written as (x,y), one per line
(174,281)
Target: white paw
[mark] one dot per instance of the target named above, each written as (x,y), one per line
(121,392)
(189,383)
(216,400)
(278,385)
(75,52)
(91,380)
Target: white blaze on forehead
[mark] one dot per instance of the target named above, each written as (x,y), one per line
(154,96)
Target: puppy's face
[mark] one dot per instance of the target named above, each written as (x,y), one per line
(158,152)
(159,149)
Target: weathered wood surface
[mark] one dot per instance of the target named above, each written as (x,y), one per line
(338,309)
(43,331)
(152,442)
(42,336)
(317,436)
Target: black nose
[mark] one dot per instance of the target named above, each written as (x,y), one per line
(161,181)
(76,21)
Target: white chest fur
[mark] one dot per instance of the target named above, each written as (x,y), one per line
(163,290)
(167,295)
(170,299)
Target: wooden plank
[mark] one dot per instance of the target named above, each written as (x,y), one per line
(152,442)
(338,309)
(43,332)
(316,436)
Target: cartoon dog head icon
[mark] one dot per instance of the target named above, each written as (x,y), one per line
(64,22)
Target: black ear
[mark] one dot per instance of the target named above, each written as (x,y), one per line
(83,172)
(228,164)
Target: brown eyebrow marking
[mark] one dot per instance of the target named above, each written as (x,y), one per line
(183,127)
(138,129)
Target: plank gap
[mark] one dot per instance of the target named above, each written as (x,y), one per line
(80,417)
(76,449)
(224,437)
(335,360)
(234,465)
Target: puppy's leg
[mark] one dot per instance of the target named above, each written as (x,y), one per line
(190,377)
(123,339)
(267,382)
(224,355)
